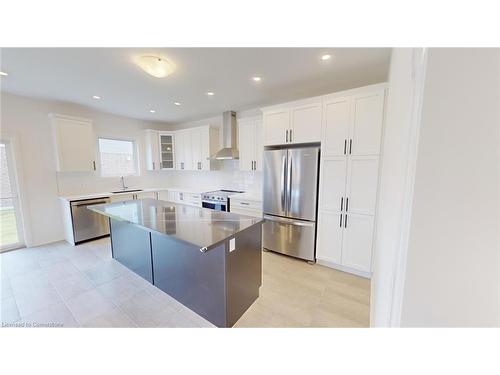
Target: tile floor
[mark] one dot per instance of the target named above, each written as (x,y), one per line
(82,286)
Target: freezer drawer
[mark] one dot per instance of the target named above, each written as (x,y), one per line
(296,238)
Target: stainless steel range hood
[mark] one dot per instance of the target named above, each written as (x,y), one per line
(229,129)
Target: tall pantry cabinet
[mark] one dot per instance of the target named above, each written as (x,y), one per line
(350,149)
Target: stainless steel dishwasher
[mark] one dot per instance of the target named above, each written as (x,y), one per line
(86,223)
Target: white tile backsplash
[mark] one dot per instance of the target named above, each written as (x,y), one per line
(227,177)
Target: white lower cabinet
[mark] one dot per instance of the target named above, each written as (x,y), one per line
(357,242)
(193,199)
(163,195)
(345,240)
(330,233)
(146,194)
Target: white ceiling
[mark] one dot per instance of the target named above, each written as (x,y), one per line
(76,74)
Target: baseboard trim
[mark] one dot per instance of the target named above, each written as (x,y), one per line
(326,263)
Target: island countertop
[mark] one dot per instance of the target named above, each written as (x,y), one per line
(201,227)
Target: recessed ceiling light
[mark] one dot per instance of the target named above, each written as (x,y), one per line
(326,57)
(156,66)
(177,103)
(3,74)
(257,79)
(210,93)
(152,111)
(96,97)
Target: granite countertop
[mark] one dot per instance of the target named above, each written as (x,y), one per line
(250,196)
(201,227)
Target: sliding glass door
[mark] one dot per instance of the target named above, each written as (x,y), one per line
(11,234)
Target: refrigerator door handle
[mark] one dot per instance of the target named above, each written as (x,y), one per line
(289,186)
(283,183)
(289,221)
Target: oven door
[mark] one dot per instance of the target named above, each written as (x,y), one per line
(217,206)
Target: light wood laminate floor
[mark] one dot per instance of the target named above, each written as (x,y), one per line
(82,286)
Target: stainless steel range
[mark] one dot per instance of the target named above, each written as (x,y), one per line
(217,200)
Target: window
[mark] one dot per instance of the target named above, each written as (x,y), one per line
(118,157)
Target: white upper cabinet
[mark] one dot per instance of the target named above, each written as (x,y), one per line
(367,119)
(151,150)
(353,125)
(196,149)
(159,150)
(166,150)
(194,146)
(250,144)
(292,124)
(336,123)
(183,155)
(305,124)
(276,126)
(246,142)
(259,145)
(75,144)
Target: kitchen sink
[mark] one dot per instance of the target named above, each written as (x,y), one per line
(126,191)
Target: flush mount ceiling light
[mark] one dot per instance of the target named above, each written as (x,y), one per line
(96,97)
(3,74)
(256,79)
(152,111)
(210,93)
(326,57)
(177,103)
(156,66)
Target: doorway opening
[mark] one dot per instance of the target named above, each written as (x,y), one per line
(11,233)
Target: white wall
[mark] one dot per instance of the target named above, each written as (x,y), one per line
(27,120)
(396,179)
(453,264)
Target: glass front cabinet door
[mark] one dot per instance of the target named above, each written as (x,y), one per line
(167,150)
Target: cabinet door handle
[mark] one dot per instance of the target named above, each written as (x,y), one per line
(346,204)
(350,146)
(287,135)
(255,165)
(341,220)
(182,165)
(153,166)
(291,135)
(341,203)
(245,203)
(345,221)
(345,145)
(93,163)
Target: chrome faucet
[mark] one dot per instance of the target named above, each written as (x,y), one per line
(123,183)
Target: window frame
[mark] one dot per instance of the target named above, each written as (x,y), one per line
(135,155)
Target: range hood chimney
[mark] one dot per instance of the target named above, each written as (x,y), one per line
(229,150)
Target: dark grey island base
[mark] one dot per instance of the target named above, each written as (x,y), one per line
(218,276)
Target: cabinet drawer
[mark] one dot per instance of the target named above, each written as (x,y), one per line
(245,204)
(247,212)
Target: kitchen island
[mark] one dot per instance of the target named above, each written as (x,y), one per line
(209,261)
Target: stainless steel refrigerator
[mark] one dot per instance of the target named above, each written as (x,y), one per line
(290,201)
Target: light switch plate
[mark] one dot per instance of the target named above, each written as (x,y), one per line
(232,244)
